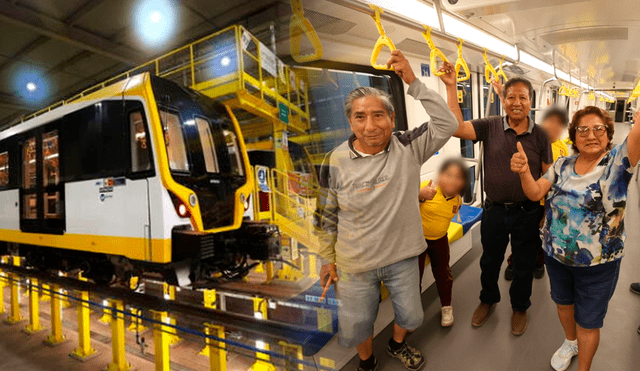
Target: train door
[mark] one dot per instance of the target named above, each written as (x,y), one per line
(41,186)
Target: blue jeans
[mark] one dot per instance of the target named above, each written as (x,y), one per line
(359,295)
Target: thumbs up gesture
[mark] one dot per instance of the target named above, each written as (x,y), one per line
(428,192)
(519,161)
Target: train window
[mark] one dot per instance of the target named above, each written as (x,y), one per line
(471,184)
(51,174)
(174,140)
(140,160)
(208,146)
(4,169)
(234,152)
(29,176)
(494,100)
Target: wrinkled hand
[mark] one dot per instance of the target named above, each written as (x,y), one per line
(449,78)
(497,86)
(401,66)
(328,272)
(519,161)
(428,192)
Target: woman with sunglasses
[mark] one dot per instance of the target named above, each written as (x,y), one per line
(583,232)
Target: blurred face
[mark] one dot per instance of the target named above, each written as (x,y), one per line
(591,136)
(517,103)
(554,128)
(371,123)
(451,181)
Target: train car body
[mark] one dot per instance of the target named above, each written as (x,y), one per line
(139,176)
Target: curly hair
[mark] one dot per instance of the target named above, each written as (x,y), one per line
(590,110)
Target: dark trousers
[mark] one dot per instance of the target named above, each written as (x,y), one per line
(499,224)
(439,254)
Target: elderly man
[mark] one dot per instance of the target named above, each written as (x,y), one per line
(368,215)
(508,213)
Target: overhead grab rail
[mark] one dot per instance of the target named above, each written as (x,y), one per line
(299,25)
(461,63)
(490,73)
(635,93)
(383,41)
(435,52)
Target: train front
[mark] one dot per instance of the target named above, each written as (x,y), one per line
(210,184)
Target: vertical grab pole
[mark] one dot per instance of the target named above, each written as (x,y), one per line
(161,341)
(14,286)
(2,285)
(119,361)
(34,308)
(55,337)
(84,351)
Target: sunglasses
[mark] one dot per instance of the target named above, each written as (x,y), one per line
(598,131)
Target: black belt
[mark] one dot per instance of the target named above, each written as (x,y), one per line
(525,205)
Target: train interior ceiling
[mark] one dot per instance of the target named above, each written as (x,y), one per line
(283,69)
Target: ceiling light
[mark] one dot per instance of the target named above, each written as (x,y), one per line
(154,21)
(31,86)
(412,9)
(560,74)
(458,28)
(536,63)
(225,61)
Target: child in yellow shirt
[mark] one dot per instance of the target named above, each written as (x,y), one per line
(439,203)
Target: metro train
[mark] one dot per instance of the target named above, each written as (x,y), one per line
(139,177)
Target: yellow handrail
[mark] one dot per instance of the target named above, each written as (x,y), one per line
(383,40)
(435,52)
(490,73)
(298,25)
(461,63)
(501,71)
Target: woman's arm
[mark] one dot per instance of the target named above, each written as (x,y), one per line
(633,141)
(534,190)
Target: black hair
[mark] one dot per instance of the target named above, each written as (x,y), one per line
(517,80)
(460,164)
(558,113)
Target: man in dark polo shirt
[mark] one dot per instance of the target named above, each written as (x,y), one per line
(508,214)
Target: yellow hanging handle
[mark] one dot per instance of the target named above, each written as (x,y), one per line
(299,25)
(563,90)
(490,73)
(574,93)
(461,63)
(501,71)
(383,41)
(634,94)
(435,52)
(592,96)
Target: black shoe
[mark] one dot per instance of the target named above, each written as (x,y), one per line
(508,273)
(635,288)
(539,272)
(375,366)
(410,357)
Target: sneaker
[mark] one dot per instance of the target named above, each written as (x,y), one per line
(446,316)
(375,366)
(562,357)
(508,273)
(635,288)
(409,356)
(539,272)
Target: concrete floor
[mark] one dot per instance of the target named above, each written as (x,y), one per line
(492,347)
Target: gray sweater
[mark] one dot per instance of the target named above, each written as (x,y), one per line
(367,213)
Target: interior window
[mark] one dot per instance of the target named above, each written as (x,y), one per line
(174,140)
(30,200)
(466,106)
(140,159)
(4,169)
(234,152)
(208,146)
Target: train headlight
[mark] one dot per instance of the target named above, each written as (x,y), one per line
(193,200)
(182,211)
